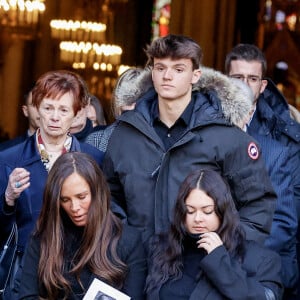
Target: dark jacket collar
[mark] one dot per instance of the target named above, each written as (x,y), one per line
(88,128)
(207,109)
(272,114)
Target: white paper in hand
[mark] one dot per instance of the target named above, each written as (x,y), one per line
(100,290)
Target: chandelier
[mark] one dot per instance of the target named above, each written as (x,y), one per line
(83,45)
(76,30)
(83,55)
(20,18)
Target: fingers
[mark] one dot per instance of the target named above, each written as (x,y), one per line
(21,185)
(18,184)
(21,181)
(18,181)
(209,241)
(19,177)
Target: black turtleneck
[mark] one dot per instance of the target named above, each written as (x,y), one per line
(88,128)
(182,288)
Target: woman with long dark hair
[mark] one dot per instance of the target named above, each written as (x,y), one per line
(205,255)
(78,238)
(57,96)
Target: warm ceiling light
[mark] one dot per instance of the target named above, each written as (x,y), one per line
(20,12)
(88,53)
(20,19)
(78,31)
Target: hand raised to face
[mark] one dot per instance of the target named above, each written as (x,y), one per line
(209,241)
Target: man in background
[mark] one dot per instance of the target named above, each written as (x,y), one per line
(31,113)
(271,120)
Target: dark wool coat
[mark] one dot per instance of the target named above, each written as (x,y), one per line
(272,119)
(283,233)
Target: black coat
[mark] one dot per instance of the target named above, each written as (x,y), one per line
(219,276)
(129,249)
(272,119)
(144,178)
(28,206)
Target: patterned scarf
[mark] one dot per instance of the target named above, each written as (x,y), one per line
(45,157)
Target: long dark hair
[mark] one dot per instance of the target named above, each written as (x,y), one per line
(98,246)
(166,249)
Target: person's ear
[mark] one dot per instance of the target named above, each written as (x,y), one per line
(264,83)
(196,75)
(25,110)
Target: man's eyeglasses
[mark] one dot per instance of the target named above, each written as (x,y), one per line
(251,79)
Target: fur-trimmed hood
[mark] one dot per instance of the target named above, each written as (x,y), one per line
(236,97)
(132,85)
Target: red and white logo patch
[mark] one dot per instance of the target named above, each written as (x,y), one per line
(253,151)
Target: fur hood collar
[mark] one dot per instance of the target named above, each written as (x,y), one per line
(235,96)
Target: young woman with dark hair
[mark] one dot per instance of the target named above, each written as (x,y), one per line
(78,238)
(205,255)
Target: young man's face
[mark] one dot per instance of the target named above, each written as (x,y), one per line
(173,79)
(251,73)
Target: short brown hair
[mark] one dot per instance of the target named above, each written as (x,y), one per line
(247,52)
(175,47)
(55,84)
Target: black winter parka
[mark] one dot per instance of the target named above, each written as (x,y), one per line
(144,178)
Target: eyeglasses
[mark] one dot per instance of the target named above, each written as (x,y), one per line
(251,79)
